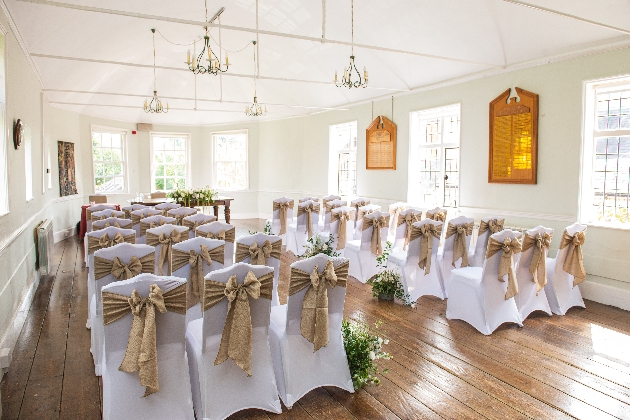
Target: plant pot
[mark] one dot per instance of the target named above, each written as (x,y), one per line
(386,297)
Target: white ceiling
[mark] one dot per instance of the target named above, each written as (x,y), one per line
(95,56)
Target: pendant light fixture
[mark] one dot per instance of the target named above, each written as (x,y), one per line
(351,71)
(155,105)
(255,110)
(214,66)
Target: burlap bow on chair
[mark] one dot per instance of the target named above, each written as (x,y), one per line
(394,212)
(492,225)
(358,204)
(439,216)
(284,208)
(574,262)
(141,353)
(330,205)
(426,232)
(363,213)
(342,229)
(509,246)
(460,249)
(179,218)
(222,235)
(144,226)
(377,223)
(108,224)
(192,226)
(167,242)
(538,265)
(136,218)
(195,260)
(94,244)
(308,210)
(236,339)
(97,218)
(410,218)
(122,271)
(258,254)
(314,318)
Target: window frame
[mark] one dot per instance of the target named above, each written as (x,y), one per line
(187,142)
(333,160)
(215,180)
(588,153)
(4,156)
(415,145)
(109,130)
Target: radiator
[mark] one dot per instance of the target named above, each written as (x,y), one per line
(45,245)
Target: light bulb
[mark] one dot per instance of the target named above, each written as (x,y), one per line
(335,76)
(227,63)
(188,57)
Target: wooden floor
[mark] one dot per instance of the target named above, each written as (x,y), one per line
(575,366)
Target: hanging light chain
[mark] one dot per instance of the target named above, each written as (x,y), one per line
(255,110)
(155,105)
(346,80)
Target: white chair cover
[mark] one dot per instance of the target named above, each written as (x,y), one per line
(477,297)
(166,229)
(138,215)
(415,280)
(194,312)
(334,228)
(394,210)
(561,293)
(181,212)
(221,390)
(298,369)
(296,231)
(478,255)
(157,219)
(97,215)
(362,260)
(363,210)
(122,393)
(445,258)
(216,227)
(111,232)
(200,219)
(133,207)
(96,208)
(124,252)
(272,262)
(398,240)
(112,221)
(307,198)
(275,219)
(528,299)
(165,207)
(356,203)
(324,224)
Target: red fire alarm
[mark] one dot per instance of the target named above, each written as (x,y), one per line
(133,132)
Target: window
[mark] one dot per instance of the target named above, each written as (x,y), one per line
(606,157)
(169,165)
(108,156)
(230,160)
(434,157)
(343,159)
(28,162)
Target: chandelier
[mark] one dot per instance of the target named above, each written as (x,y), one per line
(195,62)
(155,105)
(351,71)
(255,110)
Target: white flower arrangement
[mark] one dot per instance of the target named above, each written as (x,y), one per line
(194,197)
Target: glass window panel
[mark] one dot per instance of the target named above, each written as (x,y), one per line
(159,184)
(602,123)
(613,123)
(169,184)
(116,140)
(180,170)
(159,170)
(96,140)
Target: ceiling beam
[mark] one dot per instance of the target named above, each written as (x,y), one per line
(567,15)
(150,66)
(139,107)
(251,30)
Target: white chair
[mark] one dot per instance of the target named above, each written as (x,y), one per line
(308,198)
(165,207)
(98,198)
(438,214)
(361,253)
(113,222)
(133,207)
(224,232)
(281,217)
(150,223)
(298,368)
(94,216)
(163,238)
(420,276)
(181,212)
(222,389)
(531,293)
(271,255)
(479,296)
(448,259)
(108,258)
(402,228)
(122,392)
(183,254)
(138,215)
(341,220)
(367,209)
(93,209)
(298,232)
(324,225)
(194,221)
(394,210)
(99,239)
(158,194)
(488,226)
(356,203)
(562,291)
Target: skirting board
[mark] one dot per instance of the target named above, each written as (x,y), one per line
(63,234)
(607,295)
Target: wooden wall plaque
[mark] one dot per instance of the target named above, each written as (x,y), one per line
(380,144)
(513,138)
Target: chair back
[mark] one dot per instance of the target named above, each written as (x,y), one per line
(336,297)
(96,208)
(153,222)
(366,234)
(481,245)
(181,212)
(400,229)
(158,194)
(98,198)
(301,219)
(308,198)
(490,276)
(138,215)
(434,214)
(215,228)
(413,248)
(133,207)
(334,224)
(111,221)
(275,217)
(110,231)
(394,210)
(525,260)
(327,208)
(167,230)
(103,214)
(363,210)
(192,222)
(165,207)
(447,255)
(561,256)
(273,262)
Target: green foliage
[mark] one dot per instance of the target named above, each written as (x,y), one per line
(317,246)
(388,282)
(362,349)
(266,229)
(198,196)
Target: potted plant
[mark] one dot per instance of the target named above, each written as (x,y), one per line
(362,350)
(387,284)
(316,245)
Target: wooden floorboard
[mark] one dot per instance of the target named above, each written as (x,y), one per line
(574,366)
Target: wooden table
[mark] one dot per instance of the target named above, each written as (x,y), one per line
(219,201)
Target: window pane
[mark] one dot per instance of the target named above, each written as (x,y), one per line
(429,168)
(116,140)
(159,184)
(106,140)
(159,170)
